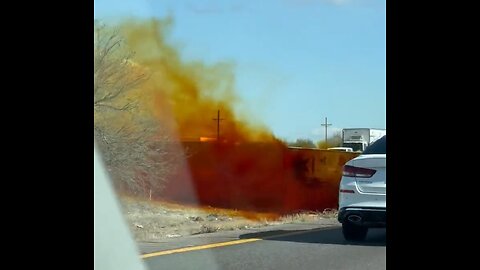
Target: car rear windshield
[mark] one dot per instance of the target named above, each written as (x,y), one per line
(378,147)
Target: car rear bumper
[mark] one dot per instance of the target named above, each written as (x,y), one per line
(373,217)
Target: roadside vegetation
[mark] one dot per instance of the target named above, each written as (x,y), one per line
(153,221)
(137,151)
(333,141)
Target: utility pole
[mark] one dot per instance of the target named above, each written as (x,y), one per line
(218,119)
(326,129)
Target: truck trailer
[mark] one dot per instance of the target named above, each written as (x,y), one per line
(359,138)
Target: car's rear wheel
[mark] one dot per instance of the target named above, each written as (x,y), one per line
(352,232)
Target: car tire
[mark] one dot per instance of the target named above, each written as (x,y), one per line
(352,232)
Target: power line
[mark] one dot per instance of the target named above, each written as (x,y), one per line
(218,119)
(326,129)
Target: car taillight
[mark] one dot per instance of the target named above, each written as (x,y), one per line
(352,171)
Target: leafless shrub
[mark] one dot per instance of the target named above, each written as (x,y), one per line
(114,72)
(138,154)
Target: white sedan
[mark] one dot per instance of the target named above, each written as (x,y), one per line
(362,198)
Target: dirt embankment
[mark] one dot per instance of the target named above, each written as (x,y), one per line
(151,221)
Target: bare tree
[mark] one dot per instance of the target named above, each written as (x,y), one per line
(114,72)
(334,141)
(139,157)
(305,143)
(138,154)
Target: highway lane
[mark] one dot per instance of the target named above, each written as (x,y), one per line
(312,248)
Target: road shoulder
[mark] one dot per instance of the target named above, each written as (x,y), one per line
(189,241)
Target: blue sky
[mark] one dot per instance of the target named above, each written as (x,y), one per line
(296,61)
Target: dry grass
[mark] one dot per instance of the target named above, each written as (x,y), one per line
(307,217)
(151,221)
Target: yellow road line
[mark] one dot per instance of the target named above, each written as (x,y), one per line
(222,244)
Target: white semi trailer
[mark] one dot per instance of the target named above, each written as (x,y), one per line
(359,138)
